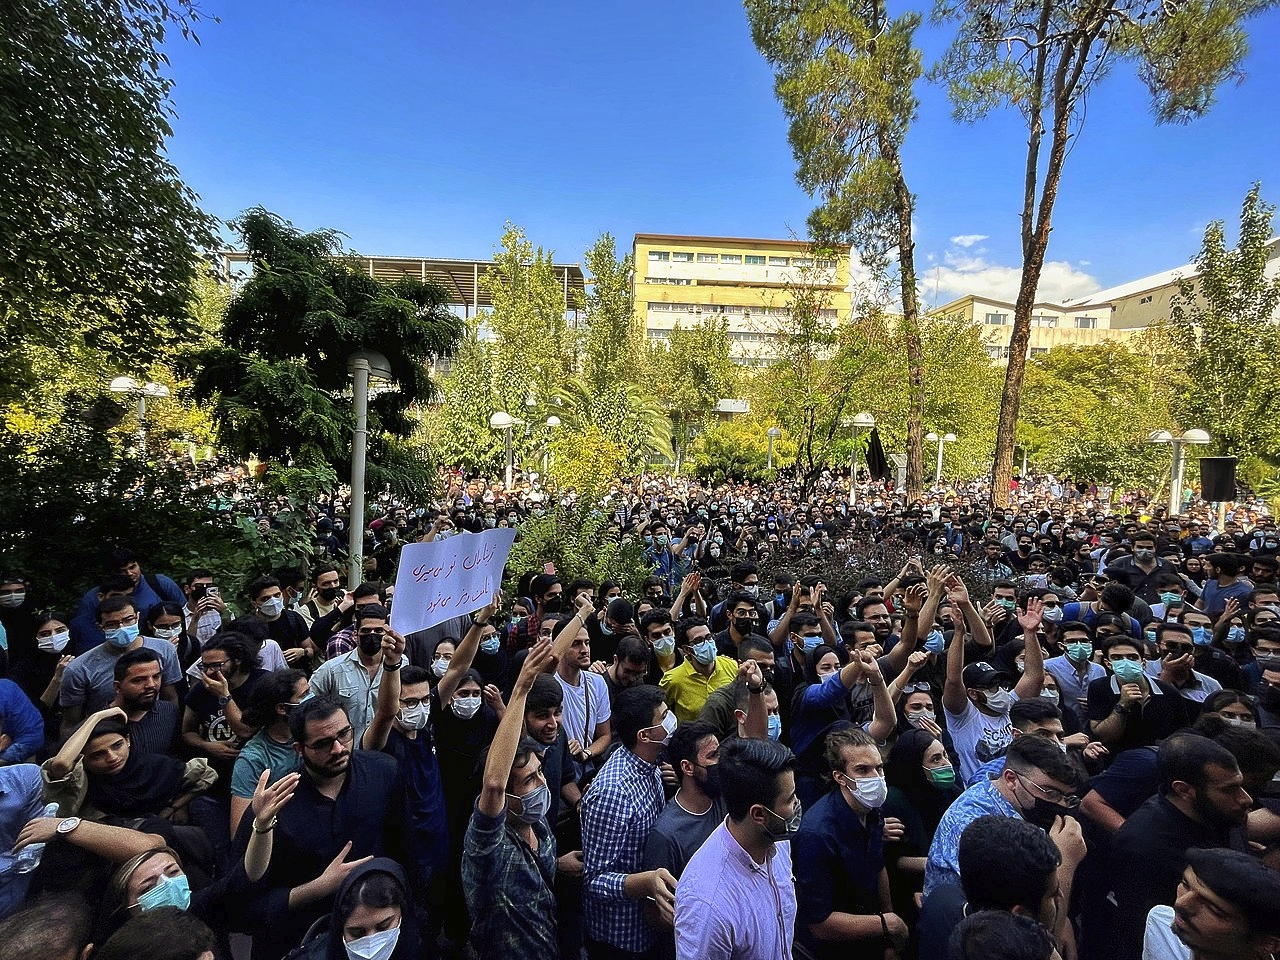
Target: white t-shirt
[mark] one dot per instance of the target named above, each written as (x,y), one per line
(977,737)
(1159,941)
(580,723)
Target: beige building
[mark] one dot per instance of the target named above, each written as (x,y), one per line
(1052,324)
(1141,303)
(684,279)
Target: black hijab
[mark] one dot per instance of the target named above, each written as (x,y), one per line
(144,786)
(410,942)
(903,769)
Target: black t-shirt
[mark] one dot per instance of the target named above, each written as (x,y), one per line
(214,726)
(1162,714)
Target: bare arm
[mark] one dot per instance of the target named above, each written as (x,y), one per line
(50,696)
(1100,812)
(569,632)
(117,844)
(954,696)
(267,802)
(375,735)
(502,752)
(1032,680)
(883,716)
(466,652)
(779,633)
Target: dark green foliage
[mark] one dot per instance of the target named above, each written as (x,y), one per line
(277,383)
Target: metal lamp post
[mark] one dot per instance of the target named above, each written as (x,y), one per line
(506,422)
(553,422)
(773,434)
(1178,464)
(942,441)
(363,365)
(860,421)
(140,390)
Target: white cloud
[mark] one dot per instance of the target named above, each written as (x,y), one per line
(968,239)
(962,273)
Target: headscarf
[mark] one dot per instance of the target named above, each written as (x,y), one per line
(145,786)
(903,770)
(410,942)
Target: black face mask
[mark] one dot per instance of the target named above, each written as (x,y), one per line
(712,787)
(370,645)
(328,594)
(1269,698)
(553,604)
(1044,813)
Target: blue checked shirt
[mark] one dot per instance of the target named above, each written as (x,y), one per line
(980,800)
(620,807)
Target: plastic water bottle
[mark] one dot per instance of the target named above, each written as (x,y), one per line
(28,858)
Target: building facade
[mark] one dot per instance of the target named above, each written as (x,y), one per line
(681,280)
(1052,325)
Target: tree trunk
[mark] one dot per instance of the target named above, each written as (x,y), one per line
(904,205)
(1032,266)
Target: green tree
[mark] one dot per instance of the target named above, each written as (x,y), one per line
(1044,58)
(622,413)
(278,380)
(691,372)
(1223,320)
(462,436)
(614,345)
(98,234)
(844,74)
(738,450)
(535,350)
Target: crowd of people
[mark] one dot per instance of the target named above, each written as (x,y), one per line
(1049,731)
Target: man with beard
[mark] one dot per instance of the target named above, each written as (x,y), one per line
(1202,803)
(1225,910)
(153,721)
(348,807)
(691,815)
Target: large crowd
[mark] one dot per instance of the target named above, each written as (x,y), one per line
(816,728)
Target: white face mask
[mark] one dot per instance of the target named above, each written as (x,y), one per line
(376,946)
(870,791)
(55,643)
(168,633)
(414,718)
(998,700)
(271,608)
(11,600)
(439,666)
(466,707)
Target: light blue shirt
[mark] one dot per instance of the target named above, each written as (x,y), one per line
(21,792)
(981,800)
(346,679)
(1073,689)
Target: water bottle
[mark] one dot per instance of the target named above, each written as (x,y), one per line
(28,858)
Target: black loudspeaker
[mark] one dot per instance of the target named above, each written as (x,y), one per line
(1218,479)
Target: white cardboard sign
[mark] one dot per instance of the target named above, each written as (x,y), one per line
(448,578)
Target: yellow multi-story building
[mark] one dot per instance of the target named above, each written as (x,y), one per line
(1052,324)
(747,282)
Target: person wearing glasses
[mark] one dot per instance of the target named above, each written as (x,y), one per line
(353,678)
(88,684)
(347,808)
(1040,783)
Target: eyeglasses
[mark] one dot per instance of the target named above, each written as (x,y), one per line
(1052,794)
(916,688)
(214,667)
(410,702)
(113,624)
(325,744)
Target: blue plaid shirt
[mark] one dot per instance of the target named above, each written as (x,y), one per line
(620,807)
(980,800)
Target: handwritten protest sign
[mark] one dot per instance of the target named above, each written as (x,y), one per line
(448,578)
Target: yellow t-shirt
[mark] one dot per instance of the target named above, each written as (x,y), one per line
(687,689)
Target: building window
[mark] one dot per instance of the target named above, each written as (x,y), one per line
(779,261)
(1039,351)
(655,334)
(1086,323)
(754,259)
(827,314)
(708,258)
(681,257)
(659,255)
(802,262)
(1147,299)
(827,264)
(996,319)
(1044,320)
(730,258)
(997,353)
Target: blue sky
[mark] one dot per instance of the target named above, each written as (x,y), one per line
(418,129)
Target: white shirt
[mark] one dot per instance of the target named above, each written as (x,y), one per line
(978,737)
(1160,942)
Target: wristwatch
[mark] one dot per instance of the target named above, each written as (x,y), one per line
(223,701)
(67,826)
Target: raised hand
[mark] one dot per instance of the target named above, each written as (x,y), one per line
(392,647)
(270,800)
(1031,618)
(338,869)
(913,598)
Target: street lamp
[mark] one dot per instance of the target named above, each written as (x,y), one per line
(505,422)
(773,434)
(140,390)
(1198,437)
(941,442)
(860,421)
(364,366)
(553,422)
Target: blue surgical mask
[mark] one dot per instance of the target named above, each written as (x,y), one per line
(168,892)
(705,651)
(935,642)
(812,643)
(122,636)
(1127,671)
(490,645)
(775,726)
(1235,635)
(1201,636)
(665,645)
